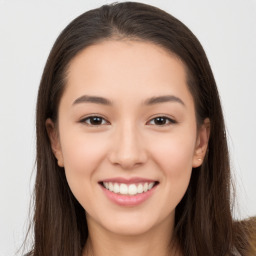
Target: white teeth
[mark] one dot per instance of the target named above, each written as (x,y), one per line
(140,188)
(150,185)
(110,186)
(106,185)
(116,188)
(131,189)
(123,189)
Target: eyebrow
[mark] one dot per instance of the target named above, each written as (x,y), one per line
(163,99)
(92,99)
(150,101)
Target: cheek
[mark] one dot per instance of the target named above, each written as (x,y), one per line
(174,156)
(174,153)
(82,155)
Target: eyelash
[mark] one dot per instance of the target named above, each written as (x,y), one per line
(166,119)
(90,118)
(163,118)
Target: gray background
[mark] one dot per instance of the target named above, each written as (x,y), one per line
(226,29)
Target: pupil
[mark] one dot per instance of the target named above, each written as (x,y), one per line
(160,120)
(96,120)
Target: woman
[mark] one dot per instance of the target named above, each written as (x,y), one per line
(132,155)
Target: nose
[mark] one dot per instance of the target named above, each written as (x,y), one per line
(127,148)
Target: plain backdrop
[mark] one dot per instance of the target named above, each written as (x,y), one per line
(28,29)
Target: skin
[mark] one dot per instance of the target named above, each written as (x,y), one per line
(128,142)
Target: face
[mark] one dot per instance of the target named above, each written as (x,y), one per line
(127,135)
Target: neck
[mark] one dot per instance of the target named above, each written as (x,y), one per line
(157,241)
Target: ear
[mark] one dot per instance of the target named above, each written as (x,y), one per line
(201,143)
(55,142)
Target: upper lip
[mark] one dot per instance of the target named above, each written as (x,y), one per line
(128,181)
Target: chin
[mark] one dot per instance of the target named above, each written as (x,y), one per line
(130,229)
(134,223)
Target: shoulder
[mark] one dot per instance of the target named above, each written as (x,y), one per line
(245,236)
(28,254)
(253,235)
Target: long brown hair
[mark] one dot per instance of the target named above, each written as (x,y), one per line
(203,220)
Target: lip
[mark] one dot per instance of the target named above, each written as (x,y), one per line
(128,200)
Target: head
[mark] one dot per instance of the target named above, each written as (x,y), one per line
(204,207)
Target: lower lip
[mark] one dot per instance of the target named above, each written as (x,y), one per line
(125,200)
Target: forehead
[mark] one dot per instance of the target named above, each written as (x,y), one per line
(120,69)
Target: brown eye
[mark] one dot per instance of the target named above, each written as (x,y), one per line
(94,120)
(161,121)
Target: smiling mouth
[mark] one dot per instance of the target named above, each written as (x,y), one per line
(129,189)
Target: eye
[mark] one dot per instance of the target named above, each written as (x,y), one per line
(94,121)
(162,121)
